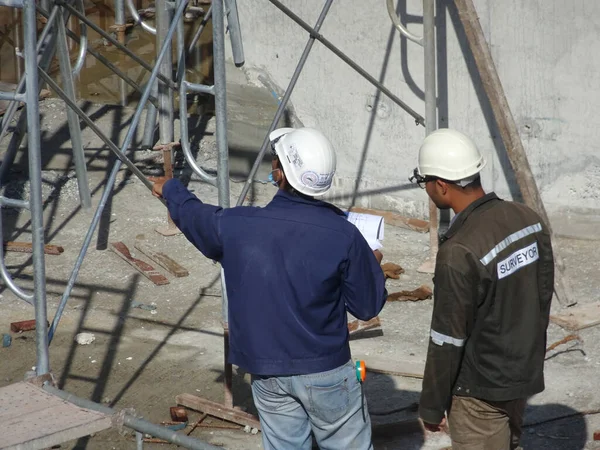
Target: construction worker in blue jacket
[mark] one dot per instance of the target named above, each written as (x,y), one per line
(293,270)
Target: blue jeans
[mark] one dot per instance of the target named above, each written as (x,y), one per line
(328,403)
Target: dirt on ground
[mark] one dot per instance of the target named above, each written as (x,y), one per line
(153,343)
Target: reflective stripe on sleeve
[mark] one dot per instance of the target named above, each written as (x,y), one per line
(441,339)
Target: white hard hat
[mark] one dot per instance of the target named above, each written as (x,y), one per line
(307,158)
(450,155)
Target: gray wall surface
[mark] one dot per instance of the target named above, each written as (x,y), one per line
(545,52)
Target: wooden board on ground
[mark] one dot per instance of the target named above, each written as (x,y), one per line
(217,410)
(356,326)
(161,259)
(27,247)
(144,268)
(391,218)
(402,368)
(579,317)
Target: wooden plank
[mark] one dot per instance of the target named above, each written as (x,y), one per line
(356,326)
(509,131)
(402,368)
(421,293)
(578,318)
(391,218)
(163,260)
(27,247)
(144,268)
(217,410)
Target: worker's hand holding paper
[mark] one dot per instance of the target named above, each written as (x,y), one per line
(370,226)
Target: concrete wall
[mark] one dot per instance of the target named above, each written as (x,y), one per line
(546,54)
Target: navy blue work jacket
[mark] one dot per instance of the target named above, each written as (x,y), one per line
(292,270)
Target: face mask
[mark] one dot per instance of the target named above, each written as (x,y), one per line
(271,180)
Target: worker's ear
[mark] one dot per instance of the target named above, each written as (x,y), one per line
(278,175)
(442,187)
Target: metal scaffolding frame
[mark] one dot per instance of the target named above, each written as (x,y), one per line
(38,54)
(158,97)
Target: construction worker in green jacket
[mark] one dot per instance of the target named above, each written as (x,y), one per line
(493,286)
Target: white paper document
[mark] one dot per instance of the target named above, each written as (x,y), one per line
(370,226)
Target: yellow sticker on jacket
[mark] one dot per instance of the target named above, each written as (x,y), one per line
(517,260)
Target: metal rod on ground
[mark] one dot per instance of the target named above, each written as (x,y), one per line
(509,132)
(35,181)
(222,168)
(66,75)
(284,101)
(235,32)
(430,118)
(337,52)
(113,175)
(141,425)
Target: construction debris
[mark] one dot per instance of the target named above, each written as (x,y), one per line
(391,270)
(144,268)
(85,338)
(26,247)
(6,340)
(578,318)
(571,337)
(217,410)
(143,306)
(160,258)
(357,326)
(25,325)
(178,414)
(421,293)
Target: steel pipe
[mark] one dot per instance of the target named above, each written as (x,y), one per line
(11,96)
(137,19)
(401,28)
(83,43)
(85,196)
(35,185)
(235,32)
(200,29)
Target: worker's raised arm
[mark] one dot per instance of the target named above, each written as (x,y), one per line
(198,221)
(363,289)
